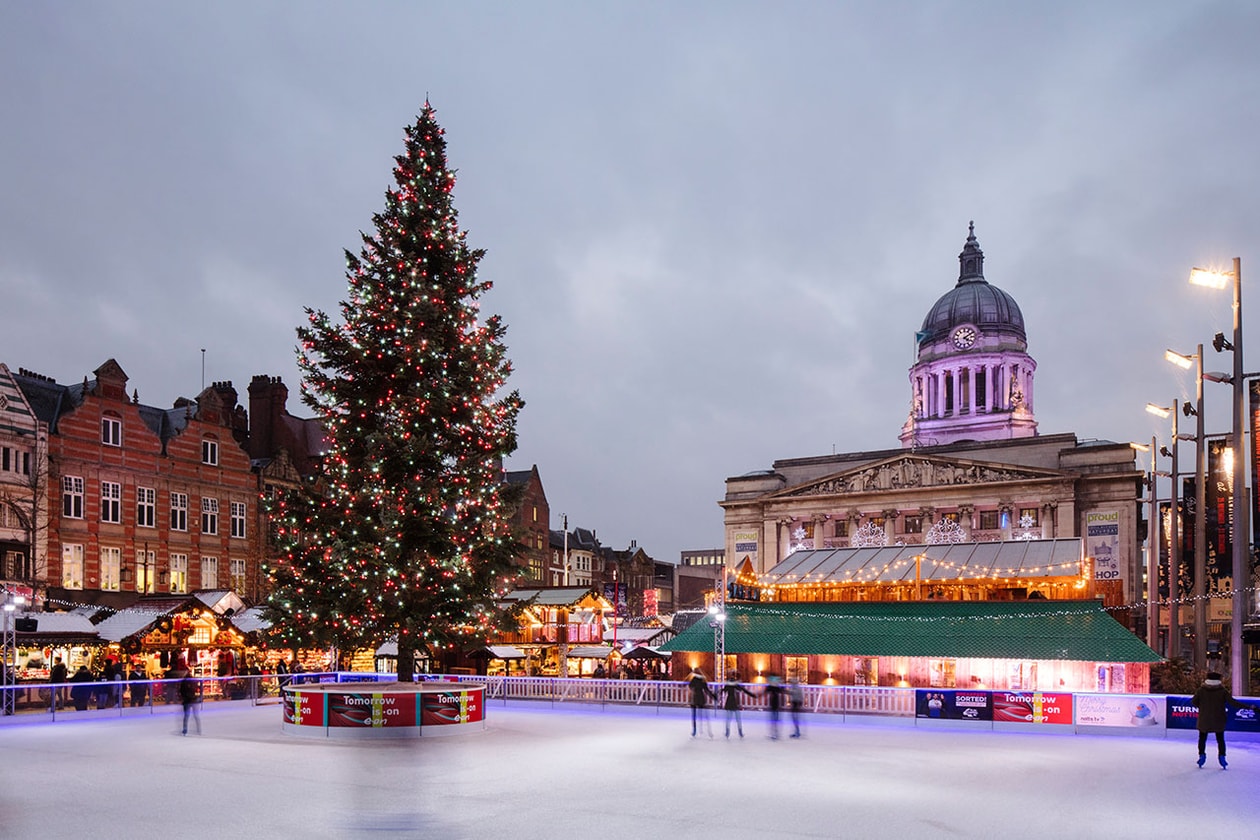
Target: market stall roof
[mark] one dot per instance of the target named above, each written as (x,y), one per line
(645,635)
(645,652)
(590,652)
(953,561)
(1067,630)
(553,596)
(250,620)
(53,628)
(503,652)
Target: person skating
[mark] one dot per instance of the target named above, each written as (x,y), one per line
(774,700)
(796,700)
(1212,699)
(700,695)
(732,690)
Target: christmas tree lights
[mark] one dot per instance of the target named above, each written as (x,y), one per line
(404,535)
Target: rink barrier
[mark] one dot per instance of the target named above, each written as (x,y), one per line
(1081,712)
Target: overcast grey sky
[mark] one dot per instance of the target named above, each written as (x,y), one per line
(713,227)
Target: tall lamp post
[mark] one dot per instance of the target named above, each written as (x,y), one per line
(1240,539)
(1200,502)
(1173,649)
(1152,545)
(717,620)
(9,667)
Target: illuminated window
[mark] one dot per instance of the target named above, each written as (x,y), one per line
(236,569)
(1029,516)
(111,569)
(72,566)
(865,670)
(146,570)
(941,673)
(796,668)
(179,573)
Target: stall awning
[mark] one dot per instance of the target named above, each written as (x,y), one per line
(590,652)
(503,652)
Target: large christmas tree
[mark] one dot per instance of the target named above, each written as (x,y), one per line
(404,534)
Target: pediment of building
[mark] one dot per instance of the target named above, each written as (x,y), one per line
(915,471)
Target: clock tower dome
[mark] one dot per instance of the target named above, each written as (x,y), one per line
(973,379)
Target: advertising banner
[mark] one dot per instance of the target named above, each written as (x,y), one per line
(1102,542)
(948,704)
(746,545)
(1031,707)
(451,707)
(1183,715)
(1120,710)
(375,710)
(304,709)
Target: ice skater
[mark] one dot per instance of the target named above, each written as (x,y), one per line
(796,699)
(700,695)
(188,696)
(732,690)
(774,700)
(1211,699)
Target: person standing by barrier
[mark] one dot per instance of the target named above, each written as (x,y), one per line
(139,686)
(1211,699)
(56,677)
(732,690)
(188,690)
(700,695)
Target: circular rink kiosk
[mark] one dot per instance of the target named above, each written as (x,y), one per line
(383,710)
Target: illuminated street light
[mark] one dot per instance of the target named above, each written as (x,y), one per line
(1240,537)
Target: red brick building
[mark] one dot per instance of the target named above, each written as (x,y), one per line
(531,523)
(143,499)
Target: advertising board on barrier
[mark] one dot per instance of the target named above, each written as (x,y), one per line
(304,708)
(446,707)
(948,704)
(364,709)
(1032,707)
(1122,710)
(1183,715)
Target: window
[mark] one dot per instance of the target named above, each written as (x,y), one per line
(796,668)
(72,566)
(111,569)
(988,520)
(72,497)
(535,513)
(111,501)
(146,571)
(236,568)
(209,515)
(210,452)
(1028,518)
(146,507)
(238,520)
(111,431)
(179,511)
(209,572)
(842,528)
(941,673)
(913,525)
(179,573)
(865,670)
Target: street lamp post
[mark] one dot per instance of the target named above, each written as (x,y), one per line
(1200,503)
(1173,648)
(1240,538)
(9,667)
(717,620)
(1152,545)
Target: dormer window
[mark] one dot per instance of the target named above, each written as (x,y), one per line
(210,452)
(111,431)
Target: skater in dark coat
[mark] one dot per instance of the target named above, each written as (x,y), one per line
(1211,700)
(774,700)
(731,692)
(700,695)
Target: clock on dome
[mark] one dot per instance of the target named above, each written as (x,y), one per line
(964,337)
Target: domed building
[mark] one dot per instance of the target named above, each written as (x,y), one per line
(976,504)
(974,377)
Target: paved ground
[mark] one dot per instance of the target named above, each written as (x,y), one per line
(539,771)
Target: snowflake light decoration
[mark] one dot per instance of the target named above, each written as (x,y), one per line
(946,532)
(869,535)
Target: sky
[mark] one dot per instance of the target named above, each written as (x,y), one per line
(713,228)
(849,776)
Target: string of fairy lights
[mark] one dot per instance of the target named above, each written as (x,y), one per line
(900,565)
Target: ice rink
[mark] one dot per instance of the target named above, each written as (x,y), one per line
(544,771)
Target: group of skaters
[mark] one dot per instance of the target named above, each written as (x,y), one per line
(728,696)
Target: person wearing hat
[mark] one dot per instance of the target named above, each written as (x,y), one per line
(1212,699)
(700,694)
